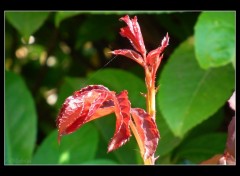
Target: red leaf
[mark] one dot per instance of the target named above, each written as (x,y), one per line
(227,159)
(94,102)
(232,101)
(133,33)
(154,57)
(130,54)
(82,107)
(147,130)
(231,139)
(122,111)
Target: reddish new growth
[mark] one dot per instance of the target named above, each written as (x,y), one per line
(96,101)
(149,62)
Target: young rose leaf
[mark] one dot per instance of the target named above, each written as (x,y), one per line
(154,57)
(133,32)
(93,102)
(122,111)
(147,130)
(130,54)
(84,105)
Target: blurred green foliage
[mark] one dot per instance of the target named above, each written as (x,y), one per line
(49,55)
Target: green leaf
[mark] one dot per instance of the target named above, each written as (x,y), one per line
(106,24)
(178,25)
(127,154)
(167,140)
(188,94)
(60,16)
(27,23)
(76,148)
(166,159)
(122,12)
(215,43)
(201,148)
(210,125)
(118,80)
(20,121)
(100,162)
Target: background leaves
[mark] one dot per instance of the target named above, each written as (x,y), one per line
(75,148)
(70,51)
(20,121)
(27,22)
(200,148)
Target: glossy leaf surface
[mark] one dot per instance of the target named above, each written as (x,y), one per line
(215,39)
(188,94)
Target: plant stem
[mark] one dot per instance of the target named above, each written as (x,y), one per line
(150,100)
(151,92)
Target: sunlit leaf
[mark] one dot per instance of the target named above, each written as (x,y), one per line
(188,94)
(122,111)
(83,106)
(215,39)
(133,33)
(94,102)
(130,54)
